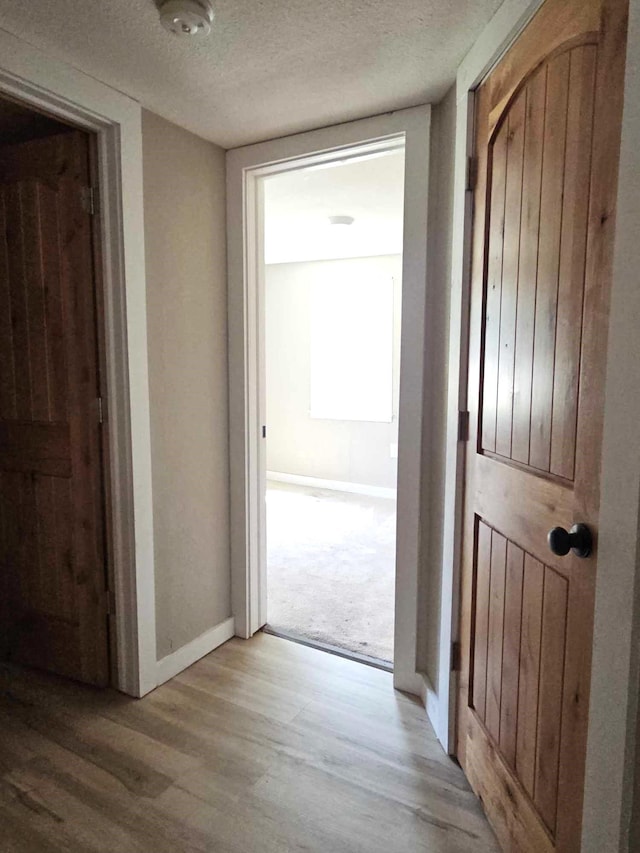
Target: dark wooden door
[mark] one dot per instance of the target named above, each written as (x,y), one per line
(53,603)
(547,138)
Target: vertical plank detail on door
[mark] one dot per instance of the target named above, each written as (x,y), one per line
(548,260)
(4,581)
(552,657)
(529,672)
(54,503)
(483,581)
(36,312)
(511,652)
(7,361)
(573,244)
(510,268)
(19,303)
(496,634)
(528,266)
(50,253)
(494,290)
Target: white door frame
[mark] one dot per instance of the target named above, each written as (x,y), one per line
(244,168)
(615,672)
(36,79)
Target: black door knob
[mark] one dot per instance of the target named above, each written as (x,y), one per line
(578,540)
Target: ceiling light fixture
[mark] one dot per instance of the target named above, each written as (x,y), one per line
(341,220)
(187,17)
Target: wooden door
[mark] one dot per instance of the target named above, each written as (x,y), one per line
(547,138)
(53,603)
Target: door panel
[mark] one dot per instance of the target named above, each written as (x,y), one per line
(539,206)
(526,604)
(547,137)
(53,612)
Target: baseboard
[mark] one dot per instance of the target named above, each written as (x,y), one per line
(332,485)
(407,680)
(183,657)
(433,707)
(420,685)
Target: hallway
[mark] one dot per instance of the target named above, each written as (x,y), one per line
(263,745)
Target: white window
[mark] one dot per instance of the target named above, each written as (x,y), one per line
(352,348)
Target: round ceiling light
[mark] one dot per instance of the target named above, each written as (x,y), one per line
(341,220)
(187,17)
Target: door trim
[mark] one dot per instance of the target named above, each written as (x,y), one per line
(37,80)
(247,466)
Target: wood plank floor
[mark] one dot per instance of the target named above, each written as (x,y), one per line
(264,746)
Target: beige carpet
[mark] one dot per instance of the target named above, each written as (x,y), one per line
(331,567)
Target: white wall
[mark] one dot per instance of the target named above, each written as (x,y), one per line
(348,451)
(184,205)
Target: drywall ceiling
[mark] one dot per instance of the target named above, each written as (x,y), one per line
(298,206)
(269,67)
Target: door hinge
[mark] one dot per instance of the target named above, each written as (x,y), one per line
(89,200)
(472,173)
(264,431)
(456,657)
(109,602)
(100,411)
(463,426)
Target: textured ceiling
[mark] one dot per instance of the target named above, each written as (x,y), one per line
(269,67)
(298,205)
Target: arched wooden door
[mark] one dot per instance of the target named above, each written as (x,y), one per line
(547,139)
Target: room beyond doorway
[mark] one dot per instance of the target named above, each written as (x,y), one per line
(332,305)
(342,546)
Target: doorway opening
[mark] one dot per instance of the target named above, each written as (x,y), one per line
(54,604)
(246,169)
(332,285)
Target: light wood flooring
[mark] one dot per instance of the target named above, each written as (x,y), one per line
(264,746)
